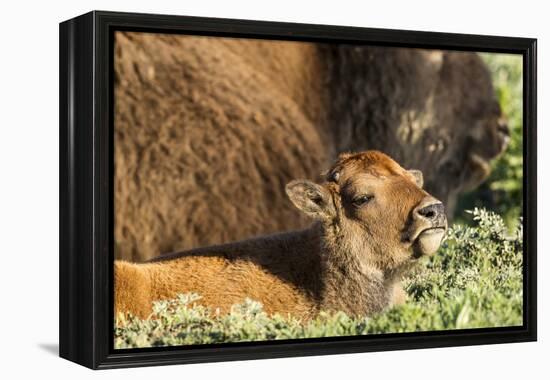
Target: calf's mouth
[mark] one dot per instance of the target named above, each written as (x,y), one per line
(428,240)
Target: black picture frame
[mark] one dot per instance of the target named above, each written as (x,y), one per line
(86,189)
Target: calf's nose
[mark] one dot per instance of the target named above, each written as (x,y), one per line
(431,211)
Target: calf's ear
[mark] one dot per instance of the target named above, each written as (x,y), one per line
(312,199)
(418,177)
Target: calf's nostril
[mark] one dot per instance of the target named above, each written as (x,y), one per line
(431,211)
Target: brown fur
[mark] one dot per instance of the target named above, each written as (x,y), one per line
(207,129)
(351,259)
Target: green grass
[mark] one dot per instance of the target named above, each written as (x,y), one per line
(474,281)
(502,192)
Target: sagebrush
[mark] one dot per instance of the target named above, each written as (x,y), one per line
(474,281)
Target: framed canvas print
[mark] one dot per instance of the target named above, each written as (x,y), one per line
(236,189)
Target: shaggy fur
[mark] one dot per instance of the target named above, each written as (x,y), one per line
(351,259)
(208,130)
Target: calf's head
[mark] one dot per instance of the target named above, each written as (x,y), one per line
(372,208)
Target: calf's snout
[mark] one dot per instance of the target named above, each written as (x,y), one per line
(430,210)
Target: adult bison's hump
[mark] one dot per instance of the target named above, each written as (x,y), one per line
(204,145)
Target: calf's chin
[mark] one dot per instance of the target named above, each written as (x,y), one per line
(428,242)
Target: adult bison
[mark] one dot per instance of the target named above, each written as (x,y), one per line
(209,130)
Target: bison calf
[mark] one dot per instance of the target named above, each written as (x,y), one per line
(372,222)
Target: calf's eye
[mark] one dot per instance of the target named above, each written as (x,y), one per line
(362,200)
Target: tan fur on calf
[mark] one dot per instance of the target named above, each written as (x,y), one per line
(373,221)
